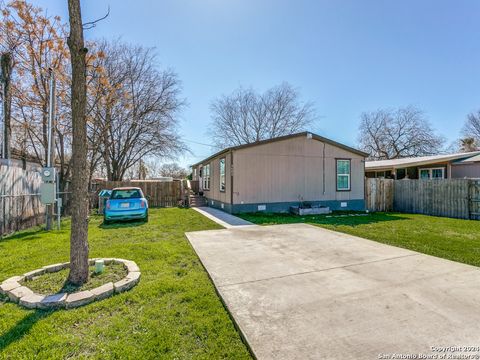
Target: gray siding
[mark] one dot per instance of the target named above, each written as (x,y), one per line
(293,170)
(214,192)
(460,171)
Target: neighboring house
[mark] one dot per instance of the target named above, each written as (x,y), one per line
(274,174)
(426,167)
(467,168)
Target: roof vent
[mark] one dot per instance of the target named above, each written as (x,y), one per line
(309,135)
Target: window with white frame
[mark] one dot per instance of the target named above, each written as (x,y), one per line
(206,177)
(343,174)
(222,174)
(432,173)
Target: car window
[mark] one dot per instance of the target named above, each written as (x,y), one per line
(126,194)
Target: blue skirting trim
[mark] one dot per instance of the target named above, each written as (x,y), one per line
(279,207)
(219,205)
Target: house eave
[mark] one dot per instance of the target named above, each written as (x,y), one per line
(280,138)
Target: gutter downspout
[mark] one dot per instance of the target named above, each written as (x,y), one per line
(323,165)
(231,180)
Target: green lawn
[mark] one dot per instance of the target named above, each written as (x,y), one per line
(453,239)
(173,313)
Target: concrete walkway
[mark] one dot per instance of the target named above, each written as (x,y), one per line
(301,292)
(222,218)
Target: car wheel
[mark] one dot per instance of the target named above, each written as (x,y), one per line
(106,222)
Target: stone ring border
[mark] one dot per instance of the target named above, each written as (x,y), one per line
(24,296)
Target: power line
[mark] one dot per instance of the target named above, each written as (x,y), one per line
(200,156)
(199,143)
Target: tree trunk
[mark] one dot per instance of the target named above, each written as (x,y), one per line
(79,228)
(6,65)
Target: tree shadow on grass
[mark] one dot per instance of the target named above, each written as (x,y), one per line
(32,234)
(123,224)
(22,328)
(68,287)
(336,218)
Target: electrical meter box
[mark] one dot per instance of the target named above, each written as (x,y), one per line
(48,174)
(48,193)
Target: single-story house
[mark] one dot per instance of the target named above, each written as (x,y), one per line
(467,168)
(448,166)
(272,175)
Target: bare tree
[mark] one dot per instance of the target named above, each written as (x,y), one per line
(132,106)
(151,168)
(137,115)
(392,134)
(36,42)
(246,116)
(173,170)
(471,129)
(79,226)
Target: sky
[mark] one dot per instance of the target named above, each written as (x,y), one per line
(345,56)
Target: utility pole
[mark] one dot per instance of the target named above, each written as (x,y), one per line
(51,121)
(6,65)
(51,142)
(2,119)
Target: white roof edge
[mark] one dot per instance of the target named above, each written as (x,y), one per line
(417,161)
(472,159)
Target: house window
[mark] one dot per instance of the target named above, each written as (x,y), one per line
(438,173)
(424,174)
(222,174)
(343,174)
(206,177)
(401,174)
(432,173)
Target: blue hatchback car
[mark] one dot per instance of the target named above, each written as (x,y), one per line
(126,203)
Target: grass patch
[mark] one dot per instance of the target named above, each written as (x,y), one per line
(173,313)
(52,283)
(453,239)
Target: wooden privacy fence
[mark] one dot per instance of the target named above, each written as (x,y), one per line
(456,198)
(20,205)
(195,186)
(379,194)
(158,193)
(433,197)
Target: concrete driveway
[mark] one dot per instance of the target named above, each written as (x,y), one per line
(301,292)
